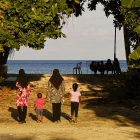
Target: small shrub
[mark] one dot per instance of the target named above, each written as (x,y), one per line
(1,79)
(127,86)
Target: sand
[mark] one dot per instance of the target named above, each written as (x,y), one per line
(99,119)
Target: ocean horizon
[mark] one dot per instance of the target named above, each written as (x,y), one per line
(47,66)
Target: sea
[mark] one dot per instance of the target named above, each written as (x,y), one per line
(47,66)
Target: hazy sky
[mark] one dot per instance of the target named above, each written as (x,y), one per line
(89,37)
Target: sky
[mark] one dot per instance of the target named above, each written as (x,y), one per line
(89,37)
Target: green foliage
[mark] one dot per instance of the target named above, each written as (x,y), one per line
(131,16)
(135,55)
(134,58)
(1,79)
(137,3)
(132,22)
(131,11)
(129,82)
(127,86)
(30,22)
(127,3)
(130,3)
(137,29)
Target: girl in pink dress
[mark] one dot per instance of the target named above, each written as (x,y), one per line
(75,98)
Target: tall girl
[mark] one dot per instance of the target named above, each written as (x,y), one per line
(23,94)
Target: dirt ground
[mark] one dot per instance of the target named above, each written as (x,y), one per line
(98,118)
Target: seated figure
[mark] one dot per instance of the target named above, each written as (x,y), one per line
(93,67)
(101,67)
(116,65)
(109,66)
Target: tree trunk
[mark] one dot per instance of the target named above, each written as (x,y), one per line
(4,56)
(127,44)
(3,62)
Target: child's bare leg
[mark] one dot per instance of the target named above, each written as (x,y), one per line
(41,118)
(38,118)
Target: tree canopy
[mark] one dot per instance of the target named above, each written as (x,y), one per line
(30,22)
(123,17)
(131,12)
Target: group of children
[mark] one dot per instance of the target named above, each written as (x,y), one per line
(75,98)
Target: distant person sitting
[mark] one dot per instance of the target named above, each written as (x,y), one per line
(98,64)
(102,67)
(93,67)
(116,65)
(109,66)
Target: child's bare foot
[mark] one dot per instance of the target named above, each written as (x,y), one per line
(71,120)
(75,120)
(38,121)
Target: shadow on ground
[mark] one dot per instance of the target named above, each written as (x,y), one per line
(96,99)
(123,111)
(14,113)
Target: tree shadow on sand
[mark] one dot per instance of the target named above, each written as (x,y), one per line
(21,137)
(14,113)
(121,112)
(32,116)
(11,84)
(65,116)
(96,99)
(47,114)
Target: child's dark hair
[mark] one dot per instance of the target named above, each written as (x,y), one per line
(39,95)
(75,86)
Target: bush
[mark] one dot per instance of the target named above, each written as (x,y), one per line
(127,85)
(1,79)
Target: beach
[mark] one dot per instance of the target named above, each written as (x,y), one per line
(99,119)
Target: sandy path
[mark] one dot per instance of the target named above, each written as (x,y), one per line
(96,121)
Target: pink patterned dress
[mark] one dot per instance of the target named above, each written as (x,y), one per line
(23,95)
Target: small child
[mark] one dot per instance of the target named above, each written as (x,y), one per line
(39,107)
(75,96)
